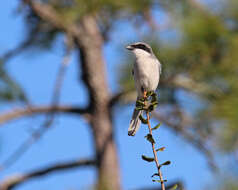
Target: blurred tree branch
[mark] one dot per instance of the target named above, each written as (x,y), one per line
(20,48)
(176,82)
(48,14)
(181,81)
(37,134)
(28,111)
(13,181)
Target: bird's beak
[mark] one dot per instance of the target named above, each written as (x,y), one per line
(129,47)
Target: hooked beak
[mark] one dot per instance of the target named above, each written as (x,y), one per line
(129,47)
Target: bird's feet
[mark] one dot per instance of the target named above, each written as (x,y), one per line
(149,101)
(144,94)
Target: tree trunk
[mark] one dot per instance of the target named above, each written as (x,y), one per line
(94,76)
(90,43)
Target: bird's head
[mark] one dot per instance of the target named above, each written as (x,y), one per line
(140,49)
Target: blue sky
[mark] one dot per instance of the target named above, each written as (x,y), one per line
(70,137)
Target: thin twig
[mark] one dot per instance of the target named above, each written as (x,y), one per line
(13,181)
(155,153)
(21,47)
(43,109)
(36,135)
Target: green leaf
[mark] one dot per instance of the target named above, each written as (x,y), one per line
(156,127)
(148,159)
(139,108)
(154,104)
(166,163)
(148,94)
(154,97)
(174,187)
(143,120)
(160,149)
(159,181)
(140,103)
(151,108)
(155,174)
(142,99)
(150,138)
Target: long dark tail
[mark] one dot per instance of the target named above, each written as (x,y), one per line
(135,122)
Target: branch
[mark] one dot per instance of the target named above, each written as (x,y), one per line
(23,112)
(155,153)
(176,82)
(148,103)
(50,15)
(47,13)
(188,84)
(124,96)
(37,134)
(20,48)
(12,182)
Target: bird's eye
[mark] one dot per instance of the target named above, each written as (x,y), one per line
(144,47)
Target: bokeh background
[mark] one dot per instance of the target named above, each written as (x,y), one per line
(196,42)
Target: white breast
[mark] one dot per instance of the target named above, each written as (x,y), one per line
(146,71)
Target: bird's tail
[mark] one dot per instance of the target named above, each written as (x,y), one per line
(135,122)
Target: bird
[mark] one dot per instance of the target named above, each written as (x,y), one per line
(146,72)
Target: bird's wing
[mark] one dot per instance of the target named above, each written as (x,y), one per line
(160,69)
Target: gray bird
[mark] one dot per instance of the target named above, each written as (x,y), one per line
(146,72)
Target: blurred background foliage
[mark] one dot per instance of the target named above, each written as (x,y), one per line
(199,60)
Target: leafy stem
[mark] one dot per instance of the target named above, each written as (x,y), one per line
(148,103)
(154,152)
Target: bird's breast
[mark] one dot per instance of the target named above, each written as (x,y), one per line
(147,71)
